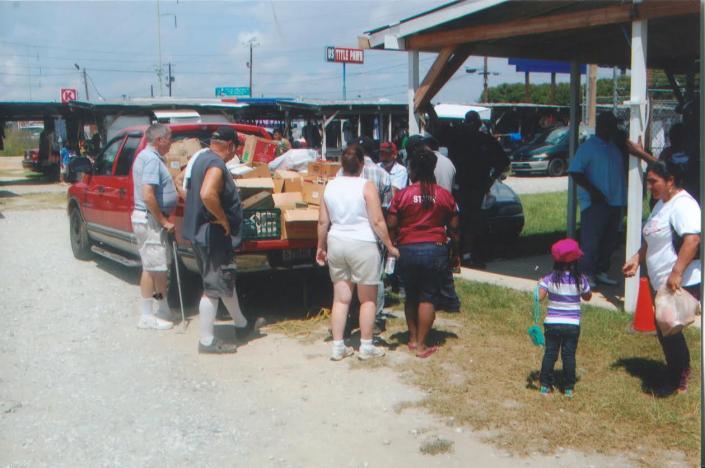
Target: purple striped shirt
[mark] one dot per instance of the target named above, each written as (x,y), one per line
(563,297)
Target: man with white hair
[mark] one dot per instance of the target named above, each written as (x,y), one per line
(155,199)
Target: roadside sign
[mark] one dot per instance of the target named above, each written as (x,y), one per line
(68,94)
(345,55)
(232,91)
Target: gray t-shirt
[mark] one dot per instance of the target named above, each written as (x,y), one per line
(149,168)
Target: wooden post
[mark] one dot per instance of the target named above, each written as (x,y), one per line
(411,91)
(527,88)
(553,87)
(573,142)
(592,95)
(637,125)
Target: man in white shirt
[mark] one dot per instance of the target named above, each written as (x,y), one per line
(388,162)
(445,169)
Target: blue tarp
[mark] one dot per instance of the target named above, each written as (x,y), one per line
(543,66)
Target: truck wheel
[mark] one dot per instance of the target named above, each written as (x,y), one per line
(80,243)
(556,167)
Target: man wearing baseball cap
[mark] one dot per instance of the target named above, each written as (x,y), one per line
(212,221)
(388,162)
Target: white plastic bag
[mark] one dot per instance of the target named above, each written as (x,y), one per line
(294,160)
(675,310)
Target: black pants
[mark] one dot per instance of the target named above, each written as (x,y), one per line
(675,349)
(563,339)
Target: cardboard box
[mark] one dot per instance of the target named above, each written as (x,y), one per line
(278,185)
(285,201)
(259,170)
(313,193)
(179,154)
(260,201)
(293,185)
(258,149)
(326,169)
(250,187)
(300,224)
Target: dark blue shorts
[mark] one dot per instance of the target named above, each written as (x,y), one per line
(422,268)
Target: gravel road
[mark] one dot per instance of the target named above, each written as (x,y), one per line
(80,385)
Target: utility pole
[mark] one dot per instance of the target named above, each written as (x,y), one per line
(251,43)
(170,80)
(615,94)
(485,86)
(159,49)
(85,84)
(592,95)
(151,90)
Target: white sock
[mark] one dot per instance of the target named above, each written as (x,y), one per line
(233,305)
(338,344)
(207,309)
(163,308)
(146,306)
(366,344)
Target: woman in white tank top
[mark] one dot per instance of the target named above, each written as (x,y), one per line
(349,224)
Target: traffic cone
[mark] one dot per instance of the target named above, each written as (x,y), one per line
(644,319)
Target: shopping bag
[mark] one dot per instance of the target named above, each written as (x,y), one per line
(534,331)
(675,310)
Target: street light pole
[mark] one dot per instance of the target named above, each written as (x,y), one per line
(251,43)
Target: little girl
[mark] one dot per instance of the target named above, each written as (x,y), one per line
(564,286)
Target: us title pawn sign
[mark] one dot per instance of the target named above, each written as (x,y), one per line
(68,94)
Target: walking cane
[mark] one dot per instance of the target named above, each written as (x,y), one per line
(184,323)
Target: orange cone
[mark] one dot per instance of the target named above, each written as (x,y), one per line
(644,319)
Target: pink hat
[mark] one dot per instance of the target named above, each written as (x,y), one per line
(566,251)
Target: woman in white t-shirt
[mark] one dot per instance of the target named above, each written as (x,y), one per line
(671,238)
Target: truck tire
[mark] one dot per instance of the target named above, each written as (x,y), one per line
(78,233)
(556,167)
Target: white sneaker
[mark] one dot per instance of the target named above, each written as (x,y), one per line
(338,354)
(370,352)
(604,279)
(155,323)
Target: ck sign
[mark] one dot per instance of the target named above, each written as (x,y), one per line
(68,94)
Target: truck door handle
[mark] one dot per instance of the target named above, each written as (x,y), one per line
(122,192)
(101,189)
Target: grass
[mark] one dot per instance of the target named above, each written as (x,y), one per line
(487,379)
(33,201)
(16,143)
(545,222)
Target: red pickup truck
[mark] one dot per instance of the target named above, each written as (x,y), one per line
(101,201)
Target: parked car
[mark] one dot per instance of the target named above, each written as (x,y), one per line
(547,153)
(504,213)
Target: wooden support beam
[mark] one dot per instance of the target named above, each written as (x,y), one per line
(446,64)
(553,23)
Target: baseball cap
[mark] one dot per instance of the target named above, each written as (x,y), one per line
(225,133)
(388,147)
(566,251)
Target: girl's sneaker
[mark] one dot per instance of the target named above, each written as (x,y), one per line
(569,393)
(340,353)
(544,391)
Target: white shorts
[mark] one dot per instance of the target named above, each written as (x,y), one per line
(151,241)
(356,261)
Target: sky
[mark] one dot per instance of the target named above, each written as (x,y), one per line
(118,45)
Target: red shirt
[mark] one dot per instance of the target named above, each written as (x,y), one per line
(417,224)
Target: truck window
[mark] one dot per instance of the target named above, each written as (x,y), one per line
(104,162)
(127,155)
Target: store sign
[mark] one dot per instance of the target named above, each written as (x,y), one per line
(68,94)
(345,55)
(232,91)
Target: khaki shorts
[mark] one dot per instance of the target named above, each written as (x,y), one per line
(351,260)
(151,241)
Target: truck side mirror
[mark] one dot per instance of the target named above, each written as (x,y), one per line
(78,167)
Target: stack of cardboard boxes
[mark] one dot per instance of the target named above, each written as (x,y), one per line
(297,195)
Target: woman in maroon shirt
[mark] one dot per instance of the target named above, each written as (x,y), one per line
(421,218)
